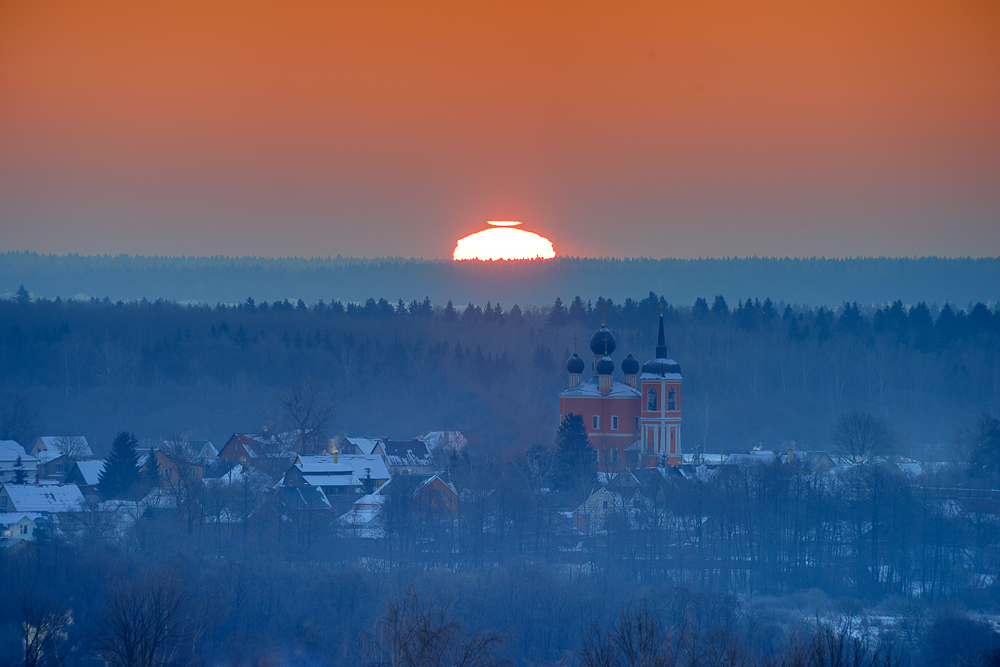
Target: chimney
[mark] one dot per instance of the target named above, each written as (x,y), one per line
(336,456)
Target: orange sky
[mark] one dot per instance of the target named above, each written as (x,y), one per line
(614,128)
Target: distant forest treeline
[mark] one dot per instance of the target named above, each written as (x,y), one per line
(812,281)
(757,373)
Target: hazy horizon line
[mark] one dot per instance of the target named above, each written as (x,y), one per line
(448,260)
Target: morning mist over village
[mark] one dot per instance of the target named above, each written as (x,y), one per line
(513,334)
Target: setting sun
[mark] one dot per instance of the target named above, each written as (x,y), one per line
(503,242)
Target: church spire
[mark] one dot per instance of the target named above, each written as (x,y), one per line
(661,342)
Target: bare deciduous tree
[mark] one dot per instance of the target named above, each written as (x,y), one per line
(858,437)
(309,412)
(144,622)
(45,624)
(414,635)
(18,420)
(73,446)
(638,639)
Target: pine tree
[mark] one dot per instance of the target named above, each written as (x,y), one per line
(121,470)
(152,469)
(23,296)
(18,471)
(575,461)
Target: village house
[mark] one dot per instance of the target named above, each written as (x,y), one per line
(408,457)
(173,470)
(427,496)
(85,475)
(251,447)
(338,474)
(50,498)
(10,452)
(51,446)
(20,525)
(366,445)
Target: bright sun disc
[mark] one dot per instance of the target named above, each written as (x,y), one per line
(503,242)
(503,223)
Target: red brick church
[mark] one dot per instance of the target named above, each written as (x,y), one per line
(635,421)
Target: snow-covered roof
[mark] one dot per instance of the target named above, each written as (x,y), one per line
(431,479)
(347,479)
(362,519)
(35,498)
(342,470)
(235,475)
(447,441)
(57,444)
(407,453)
(11,518)
(367,445)
(361,463)
(591,388)
(48,455)
(205,449)
(327,465)
(754,460)
(659,375)
(90,471)
(710,459)
(10,450)
(303,497)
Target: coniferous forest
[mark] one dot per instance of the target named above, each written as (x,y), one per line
(887,558)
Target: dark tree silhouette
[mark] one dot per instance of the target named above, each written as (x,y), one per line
(22,296)
(18,421)
(414,635)
(575,462)
(143,623)
(19,471)
(858,437)
(984,450)
(121,471)
(309,412)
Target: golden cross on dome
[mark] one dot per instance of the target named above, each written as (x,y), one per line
(604,310)
(575,338)
(661,309)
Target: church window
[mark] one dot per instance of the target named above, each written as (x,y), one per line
(597,422)
(651,403)
(605,505)
(614,422)
(636,423)
(672,399)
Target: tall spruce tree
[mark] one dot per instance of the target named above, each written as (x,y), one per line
(121,470)
(575,461)
(19,471)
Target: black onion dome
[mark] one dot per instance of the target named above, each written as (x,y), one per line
(605,366)
(630,365)
(661,366)
(575,364)
(603,341)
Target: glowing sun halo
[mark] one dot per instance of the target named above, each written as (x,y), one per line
(503,242)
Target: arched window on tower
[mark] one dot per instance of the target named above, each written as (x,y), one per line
(672,399)
(651,403)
